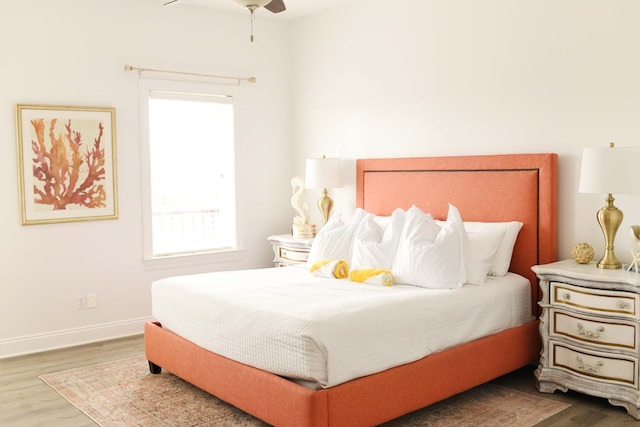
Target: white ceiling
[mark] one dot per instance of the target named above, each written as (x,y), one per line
(295,8)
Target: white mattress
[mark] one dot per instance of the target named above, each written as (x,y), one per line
(329,331)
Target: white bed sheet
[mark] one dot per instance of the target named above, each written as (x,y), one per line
(329,331)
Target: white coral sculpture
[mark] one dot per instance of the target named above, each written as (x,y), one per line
(297,187)
(635,247)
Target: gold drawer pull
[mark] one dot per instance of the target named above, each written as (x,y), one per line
(566,296)
(623,304)
(590,334)
(588,368)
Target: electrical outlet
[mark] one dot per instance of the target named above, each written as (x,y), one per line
(92,300)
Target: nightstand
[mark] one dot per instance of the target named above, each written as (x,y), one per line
(289,251)
(590,332)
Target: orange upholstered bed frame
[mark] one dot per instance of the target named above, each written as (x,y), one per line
(520,187)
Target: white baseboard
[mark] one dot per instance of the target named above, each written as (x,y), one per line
(70,337)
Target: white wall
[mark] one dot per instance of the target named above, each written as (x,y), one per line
(460,77)
(73,52)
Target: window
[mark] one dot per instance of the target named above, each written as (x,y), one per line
(190,196)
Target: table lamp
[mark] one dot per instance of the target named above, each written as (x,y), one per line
(323,173)
(609,170)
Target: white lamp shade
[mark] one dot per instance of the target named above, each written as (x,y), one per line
(610,170)
(323,173)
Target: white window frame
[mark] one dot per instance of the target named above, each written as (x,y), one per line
(151,262)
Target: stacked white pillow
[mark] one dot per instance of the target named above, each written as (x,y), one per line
(335,238)
(509,231)
(483,237)
(430,255)
(481,250)
(375,246)
(419,250)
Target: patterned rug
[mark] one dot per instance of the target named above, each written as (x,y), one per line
(123,394)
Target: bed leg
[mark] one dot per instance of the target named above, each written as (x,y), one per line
(153,368)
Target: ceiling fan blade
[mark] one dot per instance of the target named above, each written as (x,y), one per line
(276,6)
(169,2)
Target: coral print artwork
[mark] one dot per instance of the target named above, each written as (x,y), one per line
(67,171)
(67,159)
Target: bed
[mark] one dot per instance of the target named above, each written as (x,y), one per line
(520,187)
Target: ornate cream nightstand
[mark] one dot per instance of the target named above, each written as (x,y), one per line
(289,251)
(590,332)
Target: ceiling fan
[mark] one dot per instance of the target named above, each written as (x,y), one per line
(275,6)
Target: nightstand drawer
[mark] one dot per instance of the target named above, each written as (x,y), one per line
(601,366)
(288,250)
(599,301)
(608,332)
(290,254)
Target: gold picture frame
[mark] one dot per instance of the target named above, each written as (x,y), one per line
(66,163)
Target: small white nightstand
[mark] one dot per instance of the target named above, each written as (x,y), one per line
(590,332)
(289,251)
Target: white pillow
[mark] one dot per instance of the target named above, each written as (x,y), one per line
(502,258)
(482,246)
(499,264)
(428,255)
(333,241)
(382,221)
(375,246)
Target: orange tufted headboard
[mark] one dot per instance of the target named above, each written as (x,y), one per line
(491,188)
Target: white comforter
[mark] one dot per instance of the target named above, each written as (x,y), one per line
(329,331)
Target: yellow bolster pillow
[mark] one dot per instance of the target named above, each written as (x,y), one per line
(330,269)
(372,276)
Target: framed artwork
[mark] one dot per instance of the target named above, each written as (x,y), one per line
(66,163)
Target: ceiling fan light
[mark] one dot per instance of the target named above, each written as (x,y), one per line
(255,3)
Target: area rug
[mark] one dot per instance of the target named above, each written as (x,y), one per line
(124,394)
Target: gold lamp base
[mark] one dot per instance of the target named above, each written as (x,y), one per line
(609,218)
(325,204)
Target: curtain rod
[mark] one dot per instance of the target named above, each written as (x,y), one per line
(184,73)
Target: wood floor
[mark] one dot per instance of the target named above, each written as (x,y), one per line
(25,401)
